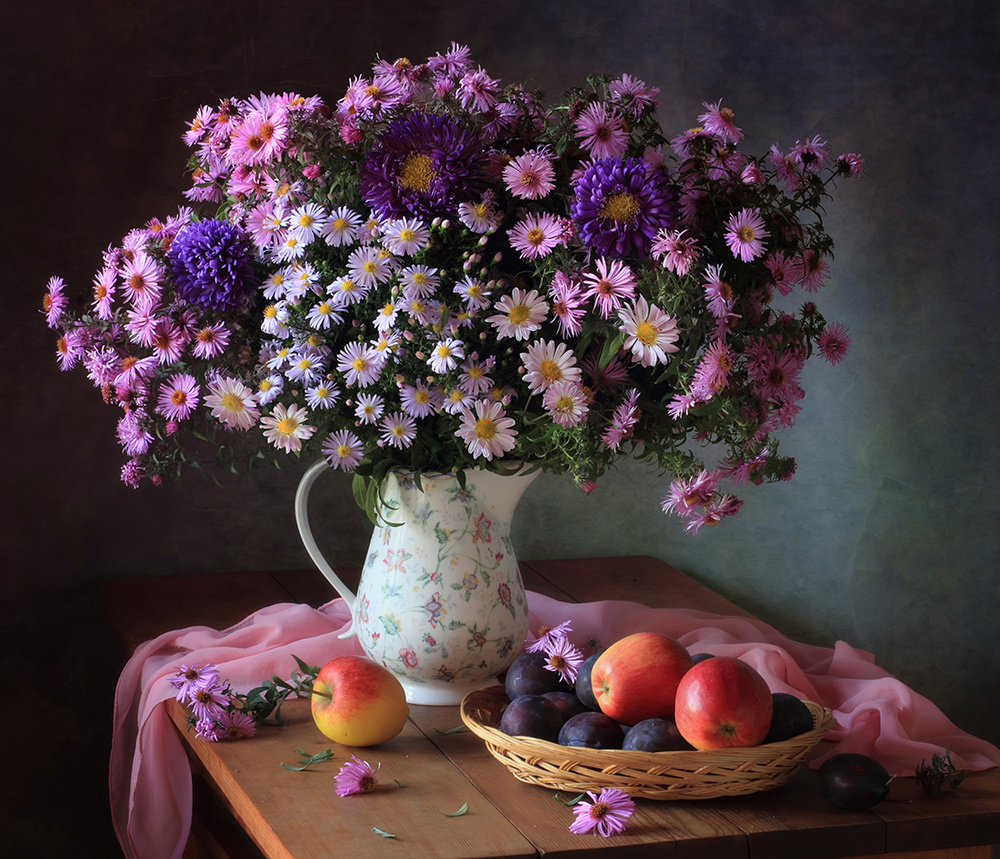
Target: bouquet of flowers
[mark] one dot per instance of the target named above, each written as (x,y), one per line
(439,272)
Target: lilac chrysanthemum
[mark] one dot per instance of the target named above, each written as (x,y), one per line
(210,263)
(423,166)
(620,206)
(607,813)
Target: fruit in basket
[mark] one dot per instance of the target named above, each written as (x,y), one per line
(655,735)
(723,702)
(357,702)
(853,781)
(790,717)
(528,675)
(592,729)
(584,690)
(636,678)
(532,716)
(569,705)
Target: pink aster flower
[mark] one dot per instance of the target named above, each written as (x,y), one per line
(564,658)
(167,342)
(142,276)
(105,284)
(833,343)
(54,301)
(210,340)
(192,677)
(684,495)
(547,362)
(811,156)
(777,375)
(356,776)
(236,725)
(814,271)
(361,364)
(607,813)
(650,333)
(521,313)
(610,285)
(536,235)
(625,417)
(567,304)
(712,374)
(785,273)
(232,403)
(259,138)
(178,397)
(286,427)
(486,429)
(634,96)
(713,513)
(718,292)
(745,234)
(601,131)
(343,450)
(718,120)
(678,251)
(530,176)
(397,430)
(566,402)
(478,90)
(852,164)
(209,701)
(548,636)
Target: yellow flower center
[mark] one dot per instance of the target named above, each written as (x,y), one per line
(287,426)
(417,172)
(746,234)
(534,236)
(550,370)
(340,224)
(343,451)
(519,313)
(564,404)
(232,403)
(646,333)
(485,429)
(406,235)
(178,398)
(621,206)
(359,364)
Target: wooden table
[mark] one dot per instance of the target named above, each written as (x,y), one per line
(282,814)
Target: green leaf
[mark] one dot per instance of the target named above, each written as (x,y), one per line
(382,832)
(569,802)
(454,730)
(464,809)
(307,760)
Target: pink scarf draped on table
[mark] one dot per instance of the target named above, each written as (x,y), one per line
(150,779)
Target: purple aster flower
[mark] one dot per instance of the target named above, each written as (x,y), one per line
(607,813)
(210,263)
(423,166)
(620,206)
(356,776)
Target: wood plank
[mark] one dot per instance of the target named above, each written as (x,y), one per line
(657,828)
(297,815)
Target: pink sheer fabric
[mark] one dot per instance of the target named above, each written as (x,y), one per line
(150,780)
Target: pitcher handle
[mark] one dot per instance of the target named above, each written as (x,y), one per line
(305,532)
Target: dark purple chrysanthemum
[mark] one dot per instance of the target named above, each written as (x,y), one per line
(210,263)
(423,165)
(620,205)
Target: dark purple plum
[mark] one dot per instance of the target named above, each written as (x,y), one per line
(655,735)
(789,718)
(584,691)
(532,716)
(700,657)
(529,676)
(853,781)
(593,730)
(569,705)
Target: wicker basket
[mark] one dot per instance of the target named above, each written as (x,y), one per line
(653,775)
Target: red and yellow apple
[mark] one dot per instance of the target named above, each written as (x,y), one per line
(721,703)
(636,677)
(357,702)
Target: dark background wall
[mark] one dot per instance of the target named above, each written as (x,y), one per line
(886,538)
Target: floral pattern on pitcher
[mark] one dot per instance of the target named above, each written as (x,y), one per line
(441,598)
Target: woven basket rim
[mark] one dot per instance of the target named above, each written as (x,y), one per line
(657,775)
